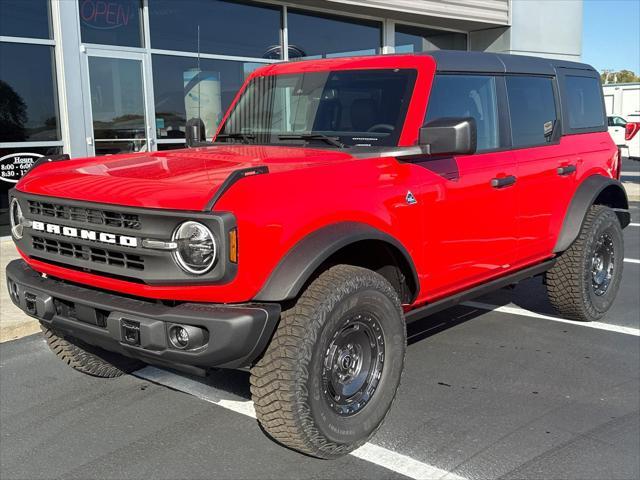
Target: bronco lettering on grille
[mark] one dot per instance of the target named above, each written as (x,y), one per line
(73,232)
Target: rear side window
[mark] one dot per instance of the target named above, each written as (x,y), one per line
(533,110)
(584,102)
(467,96)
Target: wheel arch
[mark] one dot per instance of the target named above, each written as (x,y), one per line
(595,190)
(348,243)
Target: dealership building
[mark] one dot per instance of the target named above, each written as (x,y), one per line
(97,77)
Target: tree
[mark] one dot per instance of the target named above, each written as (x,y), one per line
(621,76)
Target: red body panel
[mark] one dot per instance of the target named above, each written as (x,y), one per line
(460,232)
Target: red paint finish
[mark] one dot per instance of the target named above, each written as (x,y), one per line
(461,231)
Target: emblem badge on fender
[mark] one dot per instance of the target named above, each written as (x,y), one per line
(410,198)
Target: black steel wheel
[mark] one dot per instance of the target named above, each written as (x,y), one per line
(583,283)
(332,369)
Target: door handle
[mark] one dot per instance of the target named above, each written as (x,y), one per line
(566,170)
(503,181)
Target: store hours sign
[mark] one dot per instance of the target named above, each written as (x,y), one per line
(16,165)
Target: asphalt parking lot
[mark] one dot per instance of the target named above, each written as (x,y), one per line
(498,388)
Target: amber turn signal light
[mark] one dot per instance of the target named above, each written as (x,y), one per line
(233,246)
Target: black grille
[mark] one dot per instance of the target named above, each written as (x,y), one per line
(85,215)
(91,254)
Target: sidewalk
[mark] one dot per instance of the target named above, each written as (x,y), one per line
(13,322)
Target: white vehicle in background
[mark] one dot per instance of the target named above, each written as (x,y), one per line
(625,134)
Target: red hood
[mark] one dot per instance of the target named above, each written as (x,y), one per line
(178,179)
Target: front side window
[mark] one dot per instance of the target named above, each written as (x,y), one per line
(354,107)
(584,102)
(533,110)
(467,96)
(112,22)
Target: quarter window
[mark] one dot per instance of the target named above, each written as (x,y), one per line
(584,102)
(467,96)
(533,110)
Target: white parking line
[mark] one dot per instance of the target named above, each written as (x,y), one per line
(369,452)
(630,174)
(521,311)
(634,224)
(631,260)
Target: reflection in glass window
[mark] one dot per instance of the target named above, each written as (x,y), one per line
(416,39)
(25,18)
(184,92)
(12,161)
(584,99)
(226,27)
(111,22)
(315,35)
(28,96)
(467,96)
(533,110)
(355,107)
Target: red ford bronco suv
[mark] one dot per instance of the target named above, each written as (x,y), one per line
(339,200)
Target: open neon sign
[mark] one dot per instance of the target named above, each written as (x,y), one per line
(104,15)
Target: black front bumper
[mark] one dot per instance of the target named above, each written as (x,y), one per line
(237,334)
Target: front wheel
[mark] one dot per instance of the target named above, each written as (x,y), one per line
(332,369)
(583,283)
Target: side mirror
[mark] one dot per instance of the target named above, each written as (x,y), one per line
(450,136)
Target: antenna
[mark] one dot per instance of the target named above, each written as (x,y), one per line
(199,81)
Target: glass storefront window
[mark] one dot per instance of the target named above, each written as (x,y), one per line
(25,18)
(184,92)
(226,27)
(416,39)
(316,35)
(28,96)
(14,163)
(111,22)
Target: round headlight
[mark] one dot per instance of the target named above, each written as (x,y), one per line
(196,248)
(16,218)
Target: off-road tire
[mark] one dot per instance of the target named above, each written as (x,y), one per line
(87,358)
(569,281)
(286,383)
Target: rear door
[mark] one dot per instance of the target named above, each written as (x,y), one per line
(546,167)
(469,200)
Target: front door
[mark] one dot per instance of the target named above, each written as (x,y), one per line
(117,111)
(471,199)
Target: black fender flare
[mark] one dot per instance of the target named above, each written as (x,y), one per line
(305,257)
(585,196)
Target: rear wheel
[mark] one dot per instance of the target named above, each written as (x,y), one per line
(332,369)
(87,358)
(583,283)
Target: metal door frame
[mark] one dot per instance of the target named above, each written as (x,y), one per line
(147,91)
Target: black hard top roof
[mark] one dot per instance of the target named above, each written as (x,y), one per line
(463,61)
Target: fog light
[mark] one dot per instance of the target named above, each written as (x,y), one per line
(182,337)
(187,337)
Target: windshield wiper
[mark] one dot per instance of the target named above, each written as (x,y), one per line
(245,137)
(314,136)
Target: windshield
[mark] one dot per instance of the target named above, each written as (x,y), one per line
(338,108)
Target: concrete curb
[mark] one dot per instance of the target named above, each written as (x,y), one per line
(13,332)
